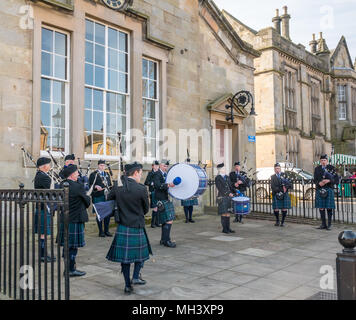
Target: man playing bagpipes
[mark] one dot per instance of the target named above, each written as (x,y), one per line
(100,184)
(280,197)
(325,177)
(70,160)
(153,201)
(240,182)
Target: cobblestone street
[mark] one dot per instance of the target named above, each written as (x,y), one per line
(259,261)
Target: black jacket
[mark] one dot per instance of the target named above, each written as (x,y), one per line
(224,186)
(149,180)
(233,178)
(42,181)
(132,204)
(318,176)
(78,202)
(276,185)
(98,182)
(160,186)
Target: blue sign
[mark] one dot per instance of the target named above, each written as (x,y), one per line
(251,138)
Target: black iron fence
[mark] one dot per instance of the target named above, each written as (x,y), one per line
(31,261)
(302,196)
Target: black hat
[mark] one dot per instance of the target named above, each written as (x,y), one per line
(277,165)
(166,162)
(67,171)
(324,157)
(221,165)
(42,161)
(237,163)
(155,163)
(101,162)
(69,157)
(131,166)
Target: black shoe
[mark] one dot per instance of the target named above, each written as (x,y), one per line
(101,234)
(191,221)
(48,258)
(108,234)
(276,224)
(77,273)
(158,225)
(224,231)
(128,290)
(169,244)
(161,242)
(236,220)
(282,225)
(186,221)
(231,231)
(328,228)
(153,226)
(138,281)
(321,227)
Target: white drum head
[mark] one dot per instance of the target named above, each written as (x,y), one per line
(190,181)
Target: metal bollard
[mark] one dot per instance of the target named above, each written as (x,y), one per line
(346,266)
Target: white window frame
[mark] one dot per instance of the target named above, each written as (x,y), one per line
(342,115)
(157,108)
(58,154)
(125,157)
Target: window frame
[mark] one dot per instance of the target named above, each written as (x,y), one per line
(58,154)
(105,90)
(342,102)
(157,108)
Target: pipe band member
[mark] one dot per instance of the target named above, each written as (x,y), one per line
(69,159)
(188,208)
(325,178)
(78,204)
(130,244)
(166,213)
(280,197)
(240,185)
(225,195)
(102,184)
(43,181)
(153,201)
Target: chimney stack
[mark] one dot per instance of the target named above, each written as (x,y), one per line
(285,23)
(322,47)
(313,44)
(277,22)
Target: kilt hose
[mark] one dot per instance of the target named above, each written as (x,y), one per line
(153,201)
(168,214)
(129,245)
(41,216)
(282,204)
(75,235)
(224,205)
(325,203)
(189,202)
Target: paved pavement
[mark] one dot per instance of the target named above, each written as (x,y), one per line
(259,261)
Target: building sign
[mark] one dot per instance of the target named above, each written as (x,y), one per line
(118,4)
(251,138)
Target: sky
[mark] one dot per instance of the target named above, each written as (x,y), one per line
(332,17)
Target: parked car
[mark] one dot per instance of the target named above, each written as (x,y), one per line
(291,173)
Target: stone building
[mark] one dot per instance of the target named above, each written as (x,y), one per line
(295,93)
(73,73)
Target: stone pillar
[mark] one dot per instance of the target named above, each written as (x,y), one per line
(285,23)
(346,267)
(277,22)
(313,44)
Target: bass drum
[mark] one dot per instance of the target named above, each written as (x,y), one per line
(193,181)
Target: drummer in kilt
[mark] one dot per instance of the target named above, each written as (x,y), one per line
(166,213)
(188,208)
(280,197)
(225,195)
(130,244)
(325,178)
(43,181)
(78,204)
(153,201)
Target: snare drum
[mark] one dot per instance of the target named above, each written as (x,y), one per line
(241,205)
(193,181)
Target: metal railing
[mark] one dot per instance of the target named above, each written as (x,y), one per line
(302,198)
(23,274)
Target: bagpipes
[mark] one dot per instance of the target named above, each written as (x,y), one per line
(331,174)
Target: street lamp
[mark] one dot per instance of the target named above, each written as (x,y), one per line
(243,99)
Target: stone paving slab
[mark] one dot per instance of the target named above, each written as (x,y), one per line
(268,263)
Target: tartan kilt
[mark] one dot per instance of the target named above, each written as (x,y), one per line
(168,214)
(189,202)
(129,245)
(153,201)
(224,205)
(42,221)
(76,235)
(282,204)
(327,203)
